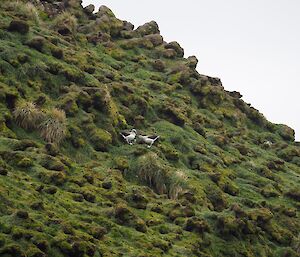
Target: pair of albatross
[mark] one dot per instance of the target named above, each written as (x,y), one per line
(130,138)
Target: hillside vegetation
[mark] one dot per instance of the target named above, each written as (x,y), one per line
(220,181)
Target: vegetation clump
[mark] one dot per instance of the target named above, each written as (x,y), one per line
(157,175)
(27,115)
(65,24)
(54,127)
(19,26)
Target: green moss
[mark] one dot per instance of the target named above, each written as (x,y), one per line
(100,139)
(220,181)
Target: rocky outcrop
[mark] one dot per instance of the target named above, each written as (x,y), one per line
(176,47)
(147,29)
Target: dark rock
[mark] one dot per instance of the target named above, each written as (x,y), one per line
(176,47)
(169,53)
(235,94)
(89,9)
(192,62)
(19,26)
(104,10)
(148,28)
(100,37)
(215,81)
(155,39)
(128,26)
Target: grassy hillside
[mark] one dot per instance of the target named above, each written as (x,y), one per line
(220,181)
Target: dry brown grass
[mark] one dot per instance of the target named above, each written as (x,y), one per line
(27,115)
(54,127)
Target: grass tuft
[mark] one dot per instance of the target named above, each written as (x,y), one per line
(160,177)
(27,115)
(54,128)
(65,23)
(25,10)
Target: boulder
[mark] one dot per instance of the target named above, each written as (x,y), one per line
(72,3)
(98,38)
(176,47)
(128,26)
(286,132)
(215,81)
(19,26)
(169,53)
(159,65)
(148,28)
(235,94)
(104,10)
(192,62)
(89,9)
(155,39)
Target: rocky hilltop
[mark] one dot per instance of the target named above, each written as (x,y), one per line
(221,180)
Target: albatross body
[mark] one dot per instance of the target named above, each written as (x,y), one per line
(149,140)
(129,137)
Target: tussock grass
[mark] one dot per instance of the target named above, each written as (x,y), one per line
(65,23)
(161,178)
(27,115)
(54,127)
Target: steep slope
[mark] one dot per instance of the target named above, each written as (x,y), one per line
(220,181)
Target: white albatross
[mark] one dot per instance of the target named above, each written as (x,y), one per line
(129,137)
(149,140)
